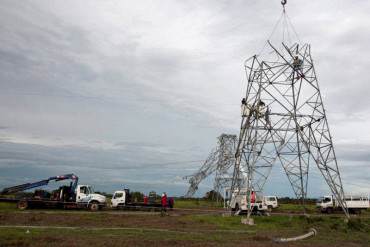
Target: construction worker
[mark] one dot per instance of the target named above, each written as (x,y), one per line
(297,63)
(245,109)
(146,199)
(164,200)
(260,109)
(171,202)
(164,204)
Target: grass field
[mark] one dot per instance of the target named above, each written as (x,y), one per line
(179,228)
(197,203)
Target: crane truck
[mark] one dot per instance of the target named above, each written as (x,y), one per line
(72,196)
(239,202)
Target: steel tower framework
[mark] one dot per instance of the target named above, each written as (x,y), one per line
(220,162)
(284,121)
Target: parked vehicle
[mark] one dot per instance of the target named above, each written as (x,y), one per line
(121,199)
(72,196)
(328,204)
(271,202)
(239,202)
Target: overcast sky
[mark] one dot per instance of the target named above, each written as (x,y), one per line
(135,93)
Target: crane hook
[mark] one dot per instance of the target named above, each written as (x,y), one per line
(283,2)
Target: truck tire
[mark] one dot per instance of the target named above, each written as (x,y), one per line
(22,205)
(329,210)
(94,206)
(269,208)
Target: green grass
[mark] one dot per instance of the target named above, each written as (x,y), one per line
(296,208)
(329,228)
(208,229)
(197,203)
(8,206)
(124,237)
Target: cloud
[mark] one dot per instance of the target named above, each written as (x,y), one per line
(106,86)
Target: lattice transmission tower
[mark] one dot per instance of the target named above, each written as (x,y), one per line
(219,163)
(284,121)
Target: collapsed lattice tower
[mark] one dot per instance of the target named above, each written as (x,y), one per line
(220,163)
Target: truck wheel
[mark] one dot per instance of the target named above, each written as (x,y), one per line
(329,210)
(269,208)
(94,206)
(22,205)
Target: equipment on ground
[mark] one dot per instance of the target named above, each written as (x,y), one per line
(72,196)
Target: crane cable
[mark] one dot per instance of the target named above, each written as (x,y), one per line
(286,23)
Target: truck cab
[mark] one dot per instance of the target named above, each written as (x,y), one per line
(271,202)
(118,198)
(325,203)
(85,194)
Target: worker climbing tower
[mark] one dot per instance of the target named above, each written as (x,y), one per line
(284,121)
(219,163)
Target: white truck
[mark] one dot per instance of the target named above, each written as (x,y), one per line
(121,199)
(85,195)
(271,202)
(239,202)
(73,196)
(355,204)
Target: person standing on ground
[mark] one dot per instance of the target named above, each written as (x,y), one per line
(164,200)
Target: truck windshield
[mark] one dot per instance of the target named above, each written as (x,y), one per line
(86,190)
(89,190)
(117,195)
(324,199)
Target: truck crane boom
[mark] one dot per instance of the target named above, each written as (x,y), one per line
(27,186)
